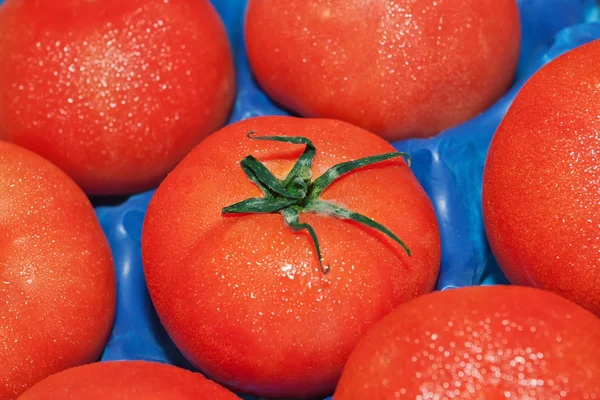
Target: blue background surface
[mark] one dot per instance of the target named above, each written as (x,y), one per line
(448,166)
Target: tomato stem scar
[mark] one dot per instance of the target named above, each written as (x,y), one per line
(298,194)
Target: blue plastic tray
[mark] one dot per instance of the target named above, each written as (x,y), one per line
(448,166)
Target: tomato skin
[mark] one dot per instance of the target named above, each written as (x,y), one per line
(243,297)
(114,92)
(478,342)
(57,281)
(121,380)
(398,68)
(541,189)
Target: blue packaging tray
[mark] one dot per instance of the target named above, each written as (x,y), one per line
(448,166)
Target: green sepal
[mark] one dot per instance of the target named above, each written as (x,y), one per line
(296,194)
(326,208)
(266,178)
(303,165)
(259,205)
(292,219)
(339,170)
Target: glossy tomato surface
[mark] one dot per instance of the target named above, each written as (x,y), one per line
(114,92)
(57,281)
(127,380)
(243,297)
(399,68)
(499,342)
(541,191)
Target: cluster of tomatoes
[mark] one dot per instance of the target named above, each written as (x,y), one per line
(292,257)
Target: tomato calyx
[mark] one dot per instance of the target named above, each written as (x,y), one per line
(298,194)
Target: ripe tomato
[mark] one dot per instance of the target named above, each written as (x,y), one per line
(503,342)
(127,380)
(57,283)
(541,189)
(114,92)
(243,296)
(399,68)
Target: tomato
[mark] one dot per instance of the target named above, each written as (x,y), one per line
(399,68)
(245,296)
(500,342)
(114,92)
(57,281)
(541,189)
(122,380)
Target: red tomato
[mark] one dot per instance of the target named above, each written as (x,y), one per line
(493,343)
(541,189)
(57,283)
(244,297)
(114,92)
(399,68)
(124,380)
